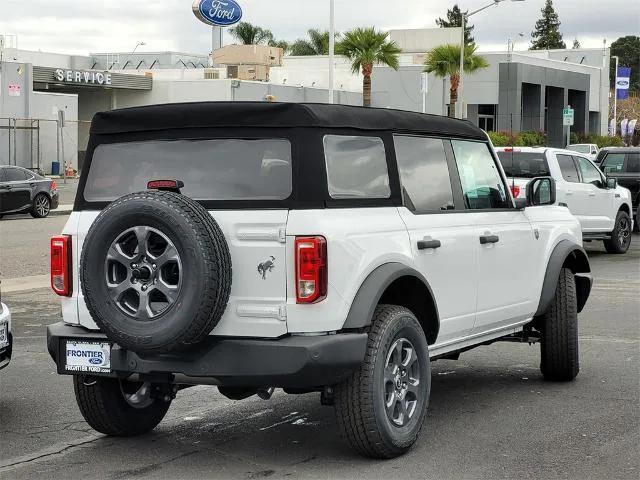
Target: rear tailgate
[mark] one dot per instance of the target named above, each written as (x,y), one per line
(257,242)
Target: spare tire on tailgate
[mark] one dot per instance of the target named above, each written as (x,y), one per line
(155,272)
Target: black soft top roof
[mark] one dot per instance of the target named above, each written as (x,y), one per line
(283,115)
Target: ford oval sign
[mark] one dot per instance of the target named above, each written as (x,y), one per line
(219,13)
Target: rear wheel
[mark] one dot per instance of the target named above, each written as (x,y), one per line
(621,235)
(119,408)
(41,206)
(382,406)
(559,343)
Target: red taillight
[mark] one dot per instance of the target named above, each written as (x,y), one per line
(515,191)
(61,265)
(311,269)
(54,185)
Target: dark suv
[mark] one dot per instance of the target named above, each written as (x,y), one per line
(623,164)
(23,191)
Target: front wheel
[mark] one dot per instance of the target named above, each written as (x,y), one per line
(621,235)
(118,408)
(382,406)
(41,206)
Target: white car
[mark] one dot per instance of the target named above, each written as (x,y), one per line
(314,248)
(603,208)
(589,150)
(6,340)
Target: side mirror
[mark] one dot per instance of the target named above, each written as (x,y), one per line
(612,183)
(541,191)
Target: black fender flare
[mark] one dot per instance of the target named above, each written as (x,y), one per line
(372,289)
(573,256)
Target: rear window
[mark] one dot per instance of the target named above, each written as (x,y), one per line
(524,164)
(580,148)
(217,169)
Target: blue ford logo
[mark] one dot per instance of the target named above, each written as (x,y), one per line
(221,13)
(95,361)
(623,83)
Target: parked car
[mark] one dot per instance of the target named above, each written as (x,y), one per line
(589,150)
(365,244)
(601,154)
(603,208)
(623,164)
(23,191)
(6,339)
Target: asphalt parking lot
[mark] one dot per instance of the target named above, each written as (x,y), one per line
(491,414)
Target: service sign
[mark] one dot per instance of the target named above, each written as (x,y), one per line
(219,13)
(82,77)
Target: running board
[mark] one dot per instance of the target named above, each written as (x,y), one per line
(587,237)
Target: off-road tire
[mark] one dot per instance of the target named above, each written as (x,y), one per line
(206,275)
(359,400)
(559,343)
(104,408)
(34,210)
(620,244)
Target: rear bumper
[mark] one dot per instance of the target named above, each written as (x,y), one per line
(289,362)
(5,352)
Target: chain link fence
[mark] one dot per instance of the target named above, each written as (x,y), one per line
(43,145)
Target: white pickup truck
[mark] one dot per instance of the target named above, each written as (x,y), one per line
(603,208)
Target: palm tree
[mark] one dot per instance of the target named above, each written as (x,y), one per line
(444,61)
(366,47)
(249,34)
(316,44)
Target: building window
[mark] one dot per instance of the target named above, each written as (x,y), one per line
(487,117)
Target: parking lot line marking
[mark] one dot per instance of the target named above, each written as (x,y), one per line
(22,284)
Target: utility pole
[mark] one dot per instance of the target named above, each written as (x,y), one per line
(332,46)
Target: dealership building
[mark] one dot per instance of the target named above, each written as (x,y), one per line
(520,90)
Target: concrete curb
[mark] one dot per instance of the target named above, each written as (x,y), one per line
(61,210)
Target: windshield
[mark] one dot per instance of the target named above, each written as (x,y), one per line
(580,148)
(524,164)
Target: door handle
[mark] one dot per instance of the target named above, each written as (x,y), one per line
(487,239)
(592,194)
(569,192)
(428,244)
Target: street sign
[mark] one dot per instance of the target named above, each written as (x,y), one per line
(567,117)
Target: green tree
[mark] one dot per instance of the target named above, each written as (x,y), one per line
(366,47)
(546,35)
(454,19)
(444,61)
(576,44)
(249,34)
(317,43)
(627,49)
(283,44)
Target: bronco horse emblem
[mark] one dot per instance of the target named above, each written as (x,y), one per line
(267,266)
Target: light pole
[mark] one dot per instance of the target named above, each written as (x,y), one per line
(615,97)
(464,18)
(332,46)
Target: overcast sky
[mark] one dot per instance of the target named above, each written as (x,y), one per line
(83,26)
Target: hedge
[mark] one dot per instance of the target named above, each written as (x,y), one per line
(535,139)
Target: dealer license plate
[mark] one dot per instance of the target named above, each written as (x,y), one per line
(4,335)
(88,357)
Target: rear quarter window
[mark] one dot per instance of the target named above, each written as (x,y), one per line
(214,169)
(356,167)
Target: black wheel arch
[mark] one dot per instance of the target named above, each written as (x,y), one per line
(569,255)
(395,284)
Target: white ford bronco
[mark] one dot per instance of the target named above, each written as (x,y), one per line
(313,248)
(603,208)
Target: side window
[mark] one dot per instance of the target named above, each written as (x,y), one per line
(633,163)
(14,175)
(613,163)
(482,184)
(356,167)
(590,174)
(424,173)
(568,168)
